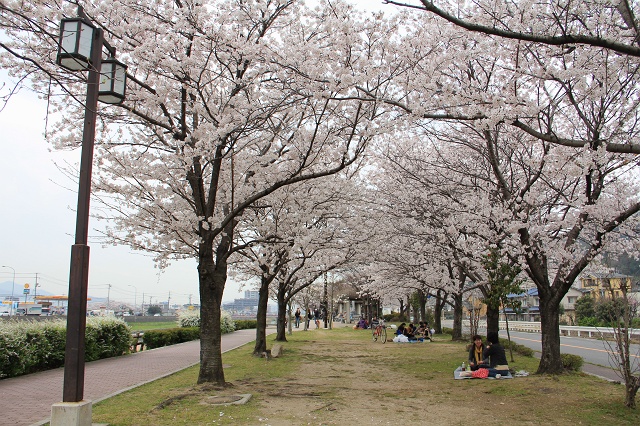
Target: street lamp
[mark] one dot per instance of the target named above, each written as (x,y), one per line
(80,49)
(13,284)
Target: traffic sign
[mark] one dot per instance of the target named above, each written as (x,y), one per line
(26,291)
(26,285)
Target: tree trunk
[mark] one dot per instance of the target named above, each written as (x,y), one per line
(550,361)
(437,312)
(261,326)
(423,305)
(212,277)
(493,319)
(282,314)
(506,321)
(631,390)
(457,317)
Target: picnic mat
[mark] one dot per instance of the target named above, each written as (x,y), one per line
(456,375)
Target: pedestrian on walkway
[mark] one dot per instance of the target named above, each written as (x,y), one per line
(297,315)
(316,315)
(309,317)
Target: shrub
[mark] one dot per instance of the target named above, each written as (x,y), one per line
(246,324)
(227,325)
(189,318)
(30,346)
(517,348)
(106,337)
(192,319)
(170,336)
(589,322)
(571,362)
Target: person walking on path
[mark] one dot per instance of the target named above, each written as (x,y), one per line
(316,315)
(297,315)
(309,318)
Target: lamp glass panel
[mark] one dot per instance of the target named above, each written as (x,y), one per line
(69,36)
(86,39)
(106,77)
(119,80)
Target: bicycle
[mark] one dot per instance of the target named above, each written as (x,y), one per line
(379,331)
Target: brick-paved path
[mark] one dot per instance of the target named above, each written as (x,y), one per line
(27,400)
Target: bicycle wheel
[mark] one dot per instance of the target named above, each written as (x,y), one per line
(383,335)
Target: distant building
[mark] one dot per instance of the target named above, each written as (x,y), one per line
(247,304)
(604,286)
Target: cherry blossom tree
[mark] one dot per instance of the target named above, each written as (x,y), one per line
(228,102)
(552,112)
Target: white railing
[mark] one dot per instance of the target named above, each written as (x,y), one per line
(565,330)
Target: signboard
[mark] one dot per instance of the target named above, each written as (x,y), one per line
(27,291)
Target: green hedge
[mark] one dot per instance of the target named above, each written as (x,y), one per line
(246,324)
(517,348)
(30,346)
(170,336)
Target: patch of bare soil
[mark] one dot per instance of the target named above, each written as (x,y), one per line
(351,383)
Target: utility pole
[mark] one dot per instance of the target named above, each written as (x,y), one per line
(108,295)
(35,289)
(169,303)
(190,299)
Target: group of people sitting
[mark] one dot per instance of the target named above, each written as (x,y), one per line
(413,333)
(487,360)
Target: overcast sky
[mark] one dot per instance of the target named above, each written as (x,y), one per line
(37,220)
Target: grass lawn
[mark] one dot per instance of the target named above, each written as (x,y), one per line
(341,377)
(146,326)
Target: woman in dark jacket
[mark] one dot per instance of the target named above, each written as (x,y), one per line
(476,354)
(495,352)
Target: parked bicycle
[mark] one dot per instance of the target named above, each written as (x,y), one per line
(379,331)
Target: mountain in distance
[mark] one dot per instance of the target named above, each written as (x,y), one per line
(5,290)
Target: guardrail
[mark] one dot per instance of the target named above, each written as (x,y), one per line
(565,330)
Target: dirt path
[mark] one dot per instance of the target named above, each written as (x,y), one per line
(353,385)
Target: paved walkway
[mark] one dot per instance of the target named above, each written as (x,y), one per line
(27,400)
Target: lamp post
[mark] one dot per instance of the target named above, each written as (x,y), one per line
(80,49)
(13,284)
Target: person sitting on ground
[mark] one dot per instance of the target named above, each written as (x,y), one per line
(421,332)
(410,332)
(400,329)
(494,352)
(428,332)
(362,324)
(476,353)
